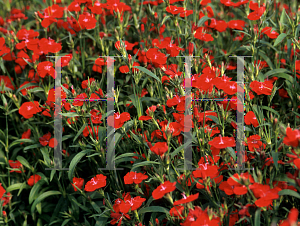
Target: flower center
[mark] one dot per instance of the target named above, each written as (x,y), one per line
(221,141)
(93,181)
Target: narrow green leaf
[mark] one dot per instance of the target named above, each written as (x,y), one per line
(279,39)
(24,162)
(154,209)
(147,72)
(271,110)
(165,19)
(75,161)
(35,190)
(20,141)
(289,192)
(42,197)
(275,159)
(144,163)
(70,114)
(231,152)
(276,71)
(80,132)
(202,21)
(257,217)
(16,186)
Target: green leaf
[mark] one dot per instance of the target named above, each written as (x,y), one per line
(257,217)
(125,157)
(286,77)
(279,39)
(119,135)
(70,114)
(147,72)
(275,159)
(35,190)
(144,163)
(32,146)
(231,152)
(267,59)
(181,147)
(276,71)
(17,186)
(154,209)
(282,17)
(42,197)
(74,163)
(202,21)
(80,132)
(289,192)
(26,86)
(24,162)
(165,19)
(271,110)
(20,141)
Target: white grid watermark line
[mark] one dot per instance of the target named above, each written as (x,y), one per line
(240,116)
(57,116)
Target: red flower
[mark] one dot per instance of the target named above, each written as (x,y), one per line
(254,143)
(46,68)
(78,182)
(174,9)
(87,22)
(134,177)
(99,62)
(99,181)
(80,98)
(267,31)
(250,119)
(230,87)
(292,218)
(15,165)
(130,203)
(185,199)
(222,142)
(292,137)
(199,34)
(85,83)
(26,135)
(261,88)
(96,116)
(50,14)
(88,130)
(44,140)
(51,95)
(264,194)
(160,148)
(128,45)
(33,179)
(28,109)
(53,143)
(2,191)
(176,211)
(7,83)
(236,24)
(119,119)
(74,7)
(124,69)
(163,189)
(49,46)
(256,15)
(156,58)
